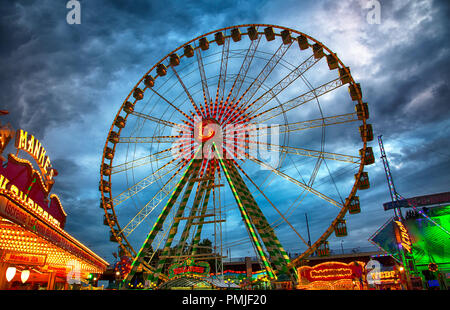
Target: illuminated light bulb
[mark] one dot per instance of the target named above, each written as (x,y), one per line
(25,275)
(10,273)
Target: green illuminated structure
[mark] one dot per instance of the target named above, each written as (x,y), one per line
(273,256)
(430,243)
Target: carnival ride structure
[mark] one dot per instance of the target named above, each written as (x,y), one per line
(225,139)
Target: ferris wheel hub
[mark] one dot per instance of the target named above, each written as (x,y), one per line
(206,129)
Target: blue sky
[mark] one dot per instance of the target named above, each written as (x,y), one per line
(65,84)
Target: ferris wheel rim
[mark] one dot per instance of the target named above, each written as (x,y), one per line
(327,233)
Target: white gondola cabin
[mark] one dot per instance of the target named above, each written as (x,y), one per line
(355,91)
(332,61)
(354,206)
(161,69)
(204,43)
(367,156)
(318,51)
(106,169)
(149,81)
(286,36)
(188,51)
(174,59)
(252,33)
(269,33)
(323,249)
(366,132)
(105,186)
(340,228)
(362,110)
(302,42)
(236,34)
(113,137)
(109,153)
(120,122)
(108,219)
(138,94)
(219,37)
(128,107)
(343,76)
(363,182)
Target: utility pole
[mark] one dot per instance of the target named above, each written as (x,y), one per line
(307,227)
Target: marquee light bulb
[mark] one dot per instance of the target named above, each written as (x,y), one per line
(10,273)
(25,275)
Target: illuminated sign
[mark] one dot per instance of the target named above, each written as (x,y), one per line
(384,275)
(30,188)
(402,236)
(330,271)
(419,201)
(24,258)
(189,267)
(33,147)
(23,185)
(29,203)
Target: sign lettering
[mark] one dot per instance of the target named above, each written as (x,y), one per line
(403,236)
(27,202)
(28,143)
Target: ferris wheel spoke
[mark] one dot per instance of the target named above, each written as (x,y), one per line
(319,122)
(297,126)
(302,185)
(287,177)
(145,160)
(206,96)
(194,105)
(222,76)
(296,102)
(280,86)
(310,153)
(239,80)
(144,183)
(173,106)
(154,139)
(247,144)
(159,121)
(258,81)
(148,208)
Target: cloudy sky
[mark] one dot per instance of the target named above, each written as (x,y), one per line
(65,83)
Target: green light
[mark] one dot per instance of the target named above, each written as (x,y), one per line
(430,242)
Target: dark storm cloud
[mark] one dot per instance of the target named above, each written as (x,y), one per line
(54,75)
(412,67)
(41,52)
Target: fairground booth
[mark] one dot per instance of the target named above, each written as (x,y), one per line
(424,237)
(355,271)
(35,250)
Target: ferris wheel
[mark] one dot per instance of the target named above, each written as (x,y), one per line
(232,137)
